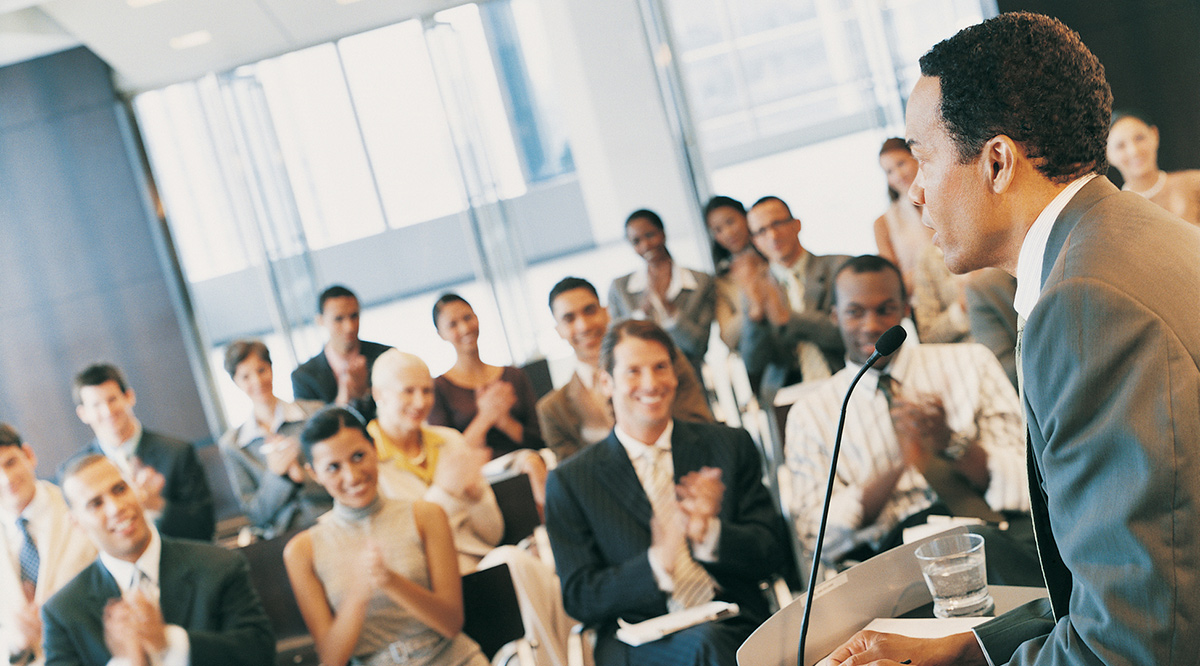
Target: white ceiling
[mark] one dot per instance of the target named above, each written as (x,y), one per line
(134,36)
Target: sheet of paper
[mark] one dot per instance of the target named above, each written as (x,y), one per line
(657,627)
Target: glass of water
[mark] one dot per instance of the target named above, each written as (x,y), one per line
(956,572)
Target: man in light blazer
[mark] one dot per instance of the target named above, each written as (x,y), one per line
(48,550)
(635,518)
(1008,123)
(575,415)
(787,336)
(167,471)
(149,599)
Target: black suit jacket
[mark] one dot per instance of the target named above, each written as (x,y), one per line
(598,519)
(189,505)
(314,379)
(204,588)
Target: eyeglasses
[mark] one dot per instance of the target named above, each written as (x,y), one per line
(771,226)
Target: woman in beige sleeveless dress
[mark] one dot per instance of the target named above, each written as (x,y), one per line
(376,579)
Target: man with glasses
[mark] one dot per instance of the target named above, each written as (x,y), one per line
(787,334)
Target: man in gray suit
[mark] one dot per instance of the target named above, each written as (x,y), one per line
(1008,123)
(787,335)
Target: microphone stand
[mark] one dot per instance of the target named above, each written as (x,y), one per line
(890,340)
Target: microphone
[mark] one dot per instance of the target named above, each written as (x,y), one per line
(886,345)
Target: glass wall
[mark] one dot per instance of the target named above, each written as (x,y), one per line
(396,162)
(794,98)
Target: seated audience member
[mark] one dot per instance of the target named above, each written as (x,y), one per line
(938,304)
(149,598)
(990,293)
(436,464)
(787,332)
(166,472)
(662,515)
(433,463)
(738,264)
(484,402)
(679,299)
(43,548)
(262,455)
(578,413)
(341,373)
(375,578)
(930,424)
(1133,150)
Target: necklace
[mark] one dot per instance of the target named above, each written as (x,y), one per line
(1153,189)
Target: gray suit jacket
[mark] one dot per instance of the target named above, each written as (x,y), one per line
(1111,364)
(990,295)
(768,348)
(561,412)
(694,312)
(204,588)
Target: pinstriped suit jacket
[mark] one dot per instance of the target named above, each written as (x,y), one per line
(598,518)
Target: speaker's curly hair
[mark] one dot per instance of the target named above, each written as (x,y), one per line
(1030,78)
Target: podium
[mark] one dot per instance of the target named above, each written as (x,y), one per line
(888,585)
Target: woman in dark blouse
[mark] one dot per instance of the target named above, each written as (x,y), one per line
(475,397)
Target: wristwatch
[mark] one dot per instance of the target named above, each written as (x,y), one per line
(957,447)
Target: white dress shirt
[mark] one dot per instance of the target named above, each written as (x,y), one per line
(1033,248)
(128,575)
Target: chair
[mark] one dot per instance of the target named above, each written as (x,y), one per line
(492,616)
(293,644)
(514,494)
(226,504)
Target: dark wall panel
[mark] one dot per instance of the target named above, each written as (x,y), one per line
(1151,55)
(80,279)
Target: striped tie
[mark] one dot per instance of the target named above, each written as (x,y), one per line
(693,585)
(29,555)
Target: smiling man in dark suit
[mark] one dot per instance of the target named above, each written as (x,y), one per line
(661,515)
(1008,123)
(166,471)
(149,599)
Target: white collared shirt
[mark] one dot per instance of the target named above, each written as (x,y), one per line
(1033,248)
(706,550)
(285,412)
(681,278)
(127,576)
(122,454)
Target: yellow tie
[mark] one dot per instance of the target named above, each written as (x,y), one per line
(693,585)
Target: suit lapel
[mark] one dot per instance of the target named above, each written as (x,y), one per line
(103,586)
(615,473)
(176,584)
(686,450)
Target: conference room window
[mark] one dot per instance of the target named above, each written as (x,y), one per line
(796,97)
(396,161)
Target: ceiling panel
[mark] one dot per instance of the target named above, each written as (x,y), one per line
(135,41)
(26,34)
(315,21)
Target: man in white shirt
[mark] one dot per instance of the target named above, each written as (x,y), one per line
(1008,124)
(577,414)
(661,515)
(926,421)
(43,550)
(149,598)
